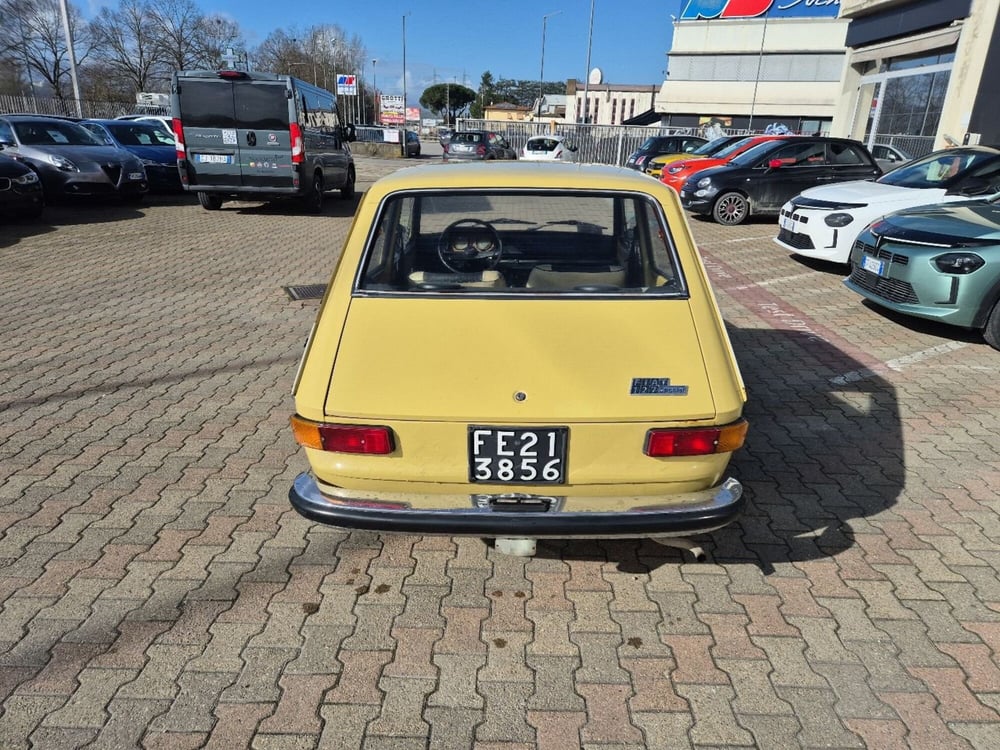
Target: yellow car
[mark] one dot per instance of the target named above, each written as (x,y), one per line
(519,351)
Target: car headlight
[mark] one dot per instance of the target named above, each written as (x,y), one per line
(704,182)
(959,263)
(675,170)
(26,179)
(61,162)
(838,220)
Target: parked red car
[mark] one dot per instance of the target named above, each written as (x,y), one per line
(677,173)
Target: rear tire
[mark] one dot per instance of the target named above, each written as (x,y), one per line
(991,332)
(347,192)
(210,201)
(731,209)
(314,198)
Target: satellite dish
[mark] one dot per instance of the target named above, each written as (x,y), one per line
(596,76)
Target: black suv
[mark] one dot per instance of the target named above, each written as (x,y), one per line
(761,179)
(663,144)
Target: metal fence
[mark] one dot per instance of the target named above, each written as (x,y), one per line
(67,107)
(602,144)
(915,145)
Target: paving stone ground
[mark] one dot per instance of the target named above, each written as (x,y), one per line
(157,590)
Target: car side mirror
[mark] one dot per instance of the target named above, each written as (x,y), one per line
(348,133)
(776,163)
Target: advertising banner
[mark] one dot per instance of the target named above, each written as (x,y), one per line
(722,9)
(391,109)
(347,84)
(413,114)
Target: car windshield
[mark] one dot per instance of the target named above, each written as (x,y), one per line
(718,147)
(750,157)
(653,144)
(936,169)
(54,133)
(140,134)
(522,243)
(733,148)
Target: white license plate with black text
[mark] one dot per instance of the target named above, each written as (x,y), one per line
(874,265)
(517,455)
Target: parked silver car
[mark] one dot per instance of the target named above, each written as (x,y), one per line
(71,161)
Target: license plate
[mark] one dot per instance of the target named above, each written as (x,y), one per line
(517,455)
(874,265)
(214,159)
(136,175)
(786,223)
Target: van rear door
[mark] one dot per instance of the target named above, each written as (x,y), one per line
(236,132)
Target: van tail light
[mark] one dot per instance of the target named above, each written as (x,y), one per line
(232,75)
(481,149)
(295,132)
(695,441)
(178,136)
(339,438)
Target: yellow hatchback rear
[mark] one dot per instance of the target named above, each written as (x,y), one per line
(523,350)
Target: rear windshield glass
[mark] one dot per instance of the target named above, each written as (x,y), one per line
(240,104)
(466,137)
(521,243)
(542,144)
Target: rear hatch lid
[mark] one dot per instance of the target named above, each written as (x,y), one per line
(575,360)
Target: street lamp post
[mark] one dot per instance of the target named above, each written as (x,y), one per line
(374,94)
(756,80)
(404,68)
(541,72)
(586,84)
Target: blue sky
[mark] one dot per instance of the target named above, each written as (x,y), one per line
(446,42)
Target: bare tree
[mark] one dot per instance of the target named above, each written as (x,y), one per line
(32,34)
(178,26)
(315,54)
(215,35)
(127,44)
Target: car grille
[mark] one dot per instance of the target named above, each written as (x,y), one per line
(795,239)
(113,171)
(4,183)
(881,253)
(893,290)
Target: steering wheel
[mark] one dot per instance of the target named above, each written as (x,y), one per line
(469,246)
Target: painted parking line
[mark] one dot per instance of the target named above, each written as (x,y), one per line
(899,363)
(769,282)
(750,239)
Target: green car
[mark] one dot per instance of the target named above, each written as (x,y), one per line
(936,262)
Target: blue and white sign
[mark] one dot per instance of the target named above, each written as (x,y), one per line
(347,85)
(722,9)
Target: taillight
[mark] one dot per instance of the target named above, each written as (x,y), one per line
(338,438)
(444,146)
(481,149)
(233,75)
(695,441)
(178,136)
(295,132)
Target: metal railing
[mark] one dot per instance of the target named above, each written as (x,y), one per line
(915,145)
(67,107)
(603,144)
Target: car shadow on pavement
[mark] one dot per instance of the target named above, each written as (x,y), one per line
(824,452)
(333,206)
(93,211)
(928,327)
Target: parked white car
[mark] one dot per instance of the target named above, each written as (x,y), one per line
(823,222)
(160,119)
(547,148)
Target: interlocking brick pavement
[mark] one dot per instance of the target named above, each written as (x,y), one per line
(156,589)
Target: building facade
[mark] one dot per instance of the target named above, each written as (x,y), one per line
(750,63)
(601,103)
(921,74)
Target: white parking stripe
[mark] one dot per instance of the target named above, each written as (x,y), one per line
(899,363)
(751,239)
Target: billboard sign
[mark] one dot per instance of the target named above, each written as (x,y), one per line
(391,109)
(732,9)
(347,85)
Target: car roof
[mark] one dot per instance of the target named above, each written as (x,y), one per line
(513,175)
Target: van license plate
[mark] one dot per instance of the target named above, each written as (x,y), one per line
(874,265)
(517,455)
(214,159)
